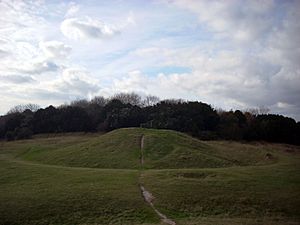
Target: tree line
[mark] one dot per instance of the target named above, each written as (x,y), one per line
(131,110)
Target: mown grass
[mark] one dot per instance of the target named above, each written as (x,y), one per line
(33,194)
(94,179)
(229,193)
(263,194)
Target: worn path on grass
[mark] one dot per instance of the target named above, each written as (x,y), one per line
(148,197)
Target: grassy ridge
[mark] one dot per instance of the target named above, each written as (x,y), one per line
(117,149)
(170,149)
(163,149)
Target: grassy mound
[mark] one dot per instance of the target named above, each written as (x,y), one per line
(162,149)
(117,149)
(170,149)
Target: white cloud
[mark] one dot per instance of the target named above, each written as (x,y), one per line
(26,58)
(22,27)
(76,81)
(55,49)
(37,67)
(283,105)
(73,9)
(20,19)
(75,28)
(134,81)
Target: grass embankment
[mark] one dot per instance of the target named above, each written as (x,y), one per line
(117,149)
(59,180)
(163,149)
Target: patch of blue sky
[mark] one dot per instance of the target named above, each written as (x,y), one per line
(188,37)
(97,60)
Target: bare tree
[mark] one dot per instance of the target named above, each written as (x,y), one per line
(263,110)
(253,111)
(174,101)
(219,110)
(21,108)
(82,103)
(129,98)
(258,111)
(150,100)
(99,100)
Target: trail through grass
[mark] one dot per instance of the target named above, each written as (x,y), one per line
(148,197)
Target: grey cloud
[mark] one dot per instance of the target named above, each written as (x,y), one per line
(16,79)
(52,95)
(77,86)
(291,110)
(241,21)
(267,72)
(39,68)
(3,53)
(75,28)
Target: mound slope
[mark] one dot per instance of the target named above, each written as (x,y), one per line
(162,149)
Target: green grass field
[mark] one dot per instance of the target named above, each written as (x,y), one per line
(91,179)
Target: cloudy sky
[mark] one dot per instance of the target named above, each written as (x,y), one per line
(231,54)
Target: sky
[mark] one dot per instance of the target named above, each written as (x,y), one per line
(232,54)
